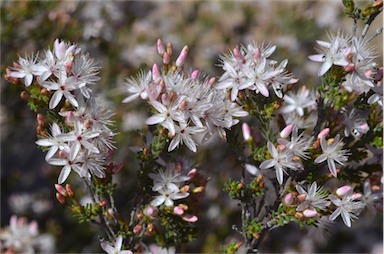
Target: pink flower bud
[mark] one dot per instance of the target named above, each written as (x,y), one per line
(190,218)
(169,49)
(324,133)
(350,67)
(137,229)
(60,189)
(183,105)
(286,131)
(160,47)
(288,199)
(211,81)
(165,99)
(356,196)
(70,117)
(183,55)
(239,57)
(301,198)
(344,190)
(166,58)
(246,131)
(195,74)
(192,173)
(150,211)
(368,74)
(364,128)
(60,198)
(63,153)
(309,213)
(257,54)
(178,210)
(69,190)
(155,73)
(40,119)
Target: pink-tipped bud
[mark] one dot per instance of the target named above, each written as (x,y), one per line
(40,119)
(183,55)
(364,128)
(309,213)
(166,58)
(160,47)
(183,105)
(192,173)
(350,67)
(169,49)
(137,229)
(69,190)
(368,74)
(165,99)
(178,210)
(70,116)
(344,190)
(211,81)
(324,133)
(60,198)
(288,199)
(356,196)
(257,54)
(280,147)
(246,131)
(286,131)
(60,189)
(150,211)
(239,57)
(63,153)
(195,74)
(190,218)
(155,73)
(301,198)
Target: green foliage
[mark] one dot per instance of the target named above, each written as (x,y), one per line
(253,228)
(234,188)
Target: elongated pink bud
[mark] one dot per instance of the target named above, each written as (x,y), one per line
(165,99)
(239,57)
(309,213)
(324,133)
(183,55)
(169,48)
(178,210)
(194,74)
(192,173)
(160,47)
(356,196)
(344,190)
(288,199)
(257,54)
(190,218)
(246,131)
(155,73)
(60,198)
(166,58)
(60,189)
(137,229)
(211,81)
(286,131)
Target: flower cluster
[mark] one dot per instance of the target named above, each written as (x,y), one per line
(186,104)
(23,237)
(355,54)
(82,140)
(316,202)
(249,67)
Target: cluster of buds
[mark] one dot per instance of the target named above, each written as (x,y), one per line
(63,194)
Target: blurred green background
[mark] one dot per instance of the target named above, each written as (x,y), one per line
(121,36)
